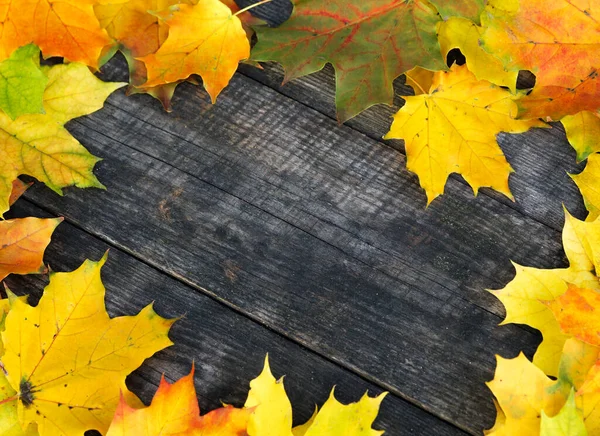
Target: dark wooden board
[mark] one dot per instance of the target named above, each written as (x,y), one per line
(541,158)
(227,348)
(316,231)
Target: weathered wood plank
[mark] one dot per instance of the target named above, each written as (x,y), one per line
(316,231)
(541,158)
(228,349)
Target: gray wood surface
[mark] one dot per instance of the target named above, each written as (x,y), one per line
(317,231)
(227,348)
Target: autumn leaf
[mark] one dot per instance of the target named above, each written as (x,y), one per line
(18,188)
(470,9)
(523,297)
(583,131)
(577,313)
(559,41)
(67,360)
(22,244)
(65,28)
(38,145)
(174,411)
(568,422)
(588,400)
(464,35)
(523,391)
(138,32)
(588,182)
(22,83)
(452,128)
(273,411)
(336,419)
(368,42)
(205,39)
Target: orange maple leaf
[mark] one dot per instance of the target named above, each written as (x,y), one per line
(18,189)
(174,411)
(205,39)
(559,41)
(66,28)
(22,244)
(577,313)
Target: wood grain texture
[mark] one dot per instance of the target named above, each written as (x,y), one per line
(541,158)
(228,349)
(316,231)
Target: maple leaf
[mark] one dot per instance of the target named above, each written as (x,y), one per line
(559,41)
(273,410)
(583,130)
(464,34)
(18,189)
(38,145)
(336,419)
(369,43)
(205,39)
(588,400)
(453,128)
(568,422)
(577,313)
(138,32)
(174,411)
(22,244)
(588,182)
(522,391)
(67,360)
(22,83)
(65,28)
(523,296)
(470,9)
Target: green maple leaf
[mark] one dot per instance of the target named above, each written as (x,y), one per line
(22,83)
(369,43)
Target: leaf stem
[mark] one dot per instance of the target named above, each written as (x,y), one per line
(252,6)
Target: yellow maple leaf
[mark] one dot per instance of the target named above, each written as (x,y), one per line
(205,39)
(588,182)
(38,145)
(588,400)
(174,411)
(583,131)
(273,410)
(523,297)
(337,419)
(65,28)
(453,128)
(568,422)
(523,391)
(22,244)
(67,360)
(457,32)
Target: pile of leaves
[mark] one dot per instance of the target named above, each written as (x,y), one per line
(449,126)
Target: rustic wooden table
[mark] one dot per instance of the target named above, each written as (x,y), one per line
(272,228)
